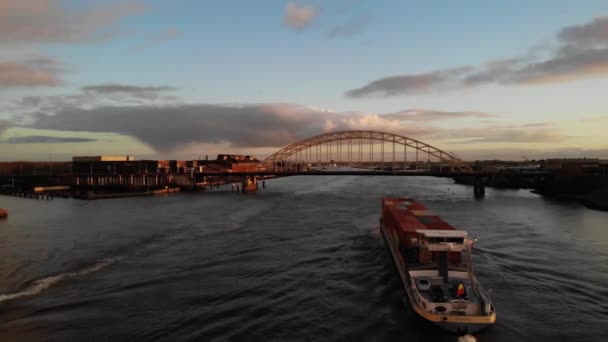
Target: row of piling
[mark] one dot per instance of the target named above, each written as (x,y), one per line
(244,187)
(29,194)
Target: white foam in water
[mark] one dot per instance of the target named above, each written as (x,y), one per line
(44,283)
(375,233)
(467,338)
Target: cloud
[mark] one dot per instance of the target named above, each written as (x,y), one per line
(53,103)
(408,84)
(299,17)
(432,115)
(188,129)
(25,22)
(49,21)
(33,72)
(92,96)
(525,133)
(574,65)
(582,52)
(146,92)
(165,128)
(500,71)
(159,38)
(42,139)
(587,35)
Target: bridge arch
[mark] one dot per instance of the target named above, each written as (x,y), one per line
(295,150)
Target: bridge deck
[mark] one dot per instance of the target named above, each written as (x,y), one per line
(369,173)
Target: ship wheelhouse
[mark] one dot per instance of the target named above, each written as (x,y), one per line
(442,276)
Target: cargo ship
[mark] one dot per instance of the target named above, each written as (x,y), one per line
(434,263)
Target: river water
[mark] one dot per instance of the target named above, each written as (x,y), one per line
(301,260)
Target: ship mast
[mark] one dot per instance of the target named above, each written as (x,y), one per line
(468,248)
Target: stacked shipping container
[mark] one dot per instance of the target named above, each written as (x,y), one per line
(403,216)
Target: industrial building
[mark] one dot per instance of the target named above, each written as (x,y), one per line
(21,168)
(121,165)
(112,165)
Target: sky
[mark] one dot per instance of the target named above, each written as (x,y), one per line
(166,79)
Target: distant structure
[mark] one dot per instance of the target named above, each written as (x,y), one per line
(128,165)
(102,158)
(238,163)
(111,165)
(23,168)
(576,166)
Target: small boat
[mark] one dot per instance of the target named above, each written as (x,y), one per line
(434,263)
(3,213)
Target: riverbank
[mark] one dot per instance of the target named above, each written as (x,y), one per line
(90,194)
(501,181)
(589,190)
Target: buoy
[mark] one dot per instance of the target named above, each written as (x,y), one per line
(3,213)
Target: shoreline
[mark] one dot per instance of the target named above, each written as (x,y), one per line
(108,195)
(591,201)
(597,200)
(91,194)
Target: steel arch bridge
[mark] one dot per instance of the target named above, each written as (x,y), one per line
(357,148)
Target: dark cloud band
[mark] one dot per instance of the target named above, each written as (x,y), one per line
(109,88)
(42,139)
(166,127)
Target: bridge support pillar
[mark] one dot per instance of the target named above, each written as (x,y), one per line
(479,189)
(250,184)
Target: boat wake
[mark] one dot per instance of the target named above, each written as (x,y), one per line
(467,338)
(375,233)
(42,284)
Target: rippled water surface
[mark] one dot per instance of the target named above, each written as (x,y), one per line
(299,261)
